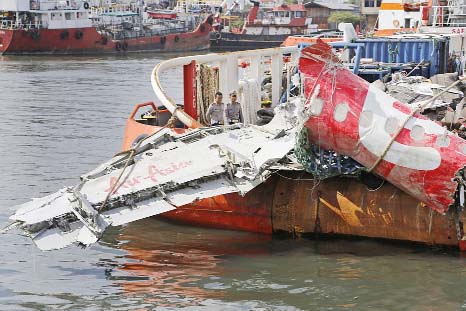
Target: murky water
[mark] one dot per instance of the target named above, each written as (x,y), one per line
(60,117)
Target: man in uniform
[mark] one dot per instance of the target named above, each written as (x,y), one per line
(216,111)
(233,111)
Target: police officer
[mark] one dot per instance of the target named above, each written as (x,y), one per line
(216,111)
(233,111)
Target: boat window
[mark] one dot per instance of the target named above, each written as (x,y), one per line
(68,16)
(299,14)
(372,3)
(407,22)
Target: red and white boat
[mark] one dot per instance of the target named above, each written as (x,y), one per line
(424,16)
(263,28)
(286,19)
(66,27)
(162,14)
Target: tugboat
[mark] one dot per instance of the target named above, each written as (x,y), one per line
(264,29)
(71,27)
(339,156)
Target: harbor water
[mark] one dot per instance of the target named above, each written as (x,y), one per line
(61,117)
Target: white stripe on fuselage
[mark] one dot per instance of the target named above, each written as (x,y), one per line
(375,138)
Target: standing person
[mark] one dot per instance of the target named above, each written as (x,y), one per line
(233,111)
(216,111)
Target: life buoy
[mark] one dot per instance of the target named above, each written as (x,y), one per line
(218,36)
(104,40)
(177,38)
(86,5)
(396,23)
(163,40)
(64,34)
(124,46)
(118,46)
(78,34)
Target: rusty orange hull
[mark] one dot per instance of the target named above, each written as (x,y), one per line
(338,206)
(90,41)
(345,206)
(296,204)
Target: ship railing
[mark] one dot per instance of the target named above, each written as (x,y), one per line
(120,33)
(132,34)
(113,9)
(9,24)
(235,70)
(46,5)
(448,16)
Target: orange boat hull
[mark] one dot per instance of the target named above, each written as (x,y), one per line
(296,204)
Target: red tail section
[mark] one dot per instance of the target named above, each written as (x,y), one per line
(357,119)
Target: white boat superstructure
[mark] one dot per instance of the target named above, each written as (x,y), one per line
(48,14)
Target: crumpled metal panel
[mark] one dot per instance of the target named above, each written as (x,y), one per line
(358,120)
(167,171)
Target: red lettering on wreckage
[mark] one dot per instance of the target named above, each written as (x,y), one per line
(152,172)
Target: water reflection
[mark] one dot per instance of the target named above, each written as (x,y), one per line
(167,261)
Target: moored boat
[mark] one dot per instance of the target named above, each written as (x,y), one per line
(262,29)
(297,174)
(66,27)
(431,17)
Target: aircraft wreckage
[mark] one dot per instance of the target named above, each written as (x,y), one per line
(300,173)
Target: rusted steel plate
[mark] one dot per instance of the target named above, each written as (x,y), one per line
(345,206)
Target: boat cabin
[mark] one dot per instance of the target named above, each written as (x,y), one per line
(27,14)
(283,19)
